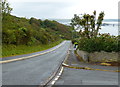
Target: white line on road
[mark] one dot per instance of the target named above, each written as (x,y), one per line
(22,58)
(58,76)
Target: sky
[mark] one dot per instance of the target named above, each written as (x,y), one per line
(63,9)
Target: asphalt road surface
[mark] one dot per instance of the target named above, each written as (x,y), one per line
(35,70)
(72,76)
(87,78)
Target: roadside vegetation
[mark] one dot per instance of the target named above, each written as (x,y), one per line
(90,39)
(21,35)
(13,50)
(104,42)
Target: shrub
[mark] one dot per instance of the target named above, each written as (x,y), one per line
(8,36)
(19,31)
(104,42)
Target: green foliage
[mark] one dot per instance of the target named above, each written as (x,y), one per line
(23,36)
(50,24)
(104,42)
(36,22)
(8,36)
(13,50)
(89,40)
(19,31)
(6,9)
(86,23)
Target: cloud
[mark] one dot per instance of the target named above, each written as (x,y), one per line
(40,9)
(63,8)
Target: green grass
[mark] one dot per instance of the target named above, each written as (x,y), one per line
(13,50)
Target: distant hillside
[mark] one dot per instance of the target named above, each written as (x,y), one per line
(67,21)
(32,31)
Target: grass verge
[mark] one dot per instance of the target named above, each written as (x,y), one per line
(13,50)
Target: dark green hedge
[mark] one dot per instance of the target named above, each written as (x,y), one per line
(104,42)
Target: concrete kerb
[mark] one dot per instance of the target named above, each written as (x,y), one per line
(86,68)
(46,82)
(28,57)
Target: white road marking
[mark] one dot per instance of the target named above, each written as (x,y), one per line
(22,58)
(58,76)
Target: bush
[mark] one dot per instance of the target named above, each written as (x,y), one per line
(102,43)
(8,37)
(50,24)
(22,31)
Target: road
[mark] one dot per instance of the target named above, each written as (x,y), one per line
(86,78)
(35,70)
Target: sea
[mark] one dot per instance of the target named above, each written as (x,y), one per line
(111,26)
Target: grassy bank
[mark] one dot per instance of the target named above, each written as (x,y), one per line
(13,50)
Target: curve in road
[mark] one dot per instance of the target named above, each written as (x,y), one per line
(35,70)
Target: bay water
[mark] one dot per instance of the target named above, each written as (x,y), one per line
(111,26)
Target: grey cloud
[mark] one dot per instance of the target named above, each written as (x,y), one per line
(40,9)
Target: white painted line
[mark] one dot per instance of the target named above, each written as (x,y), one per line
(59,74)
(60,71)
(53,82)
(57,77)
(22,58)
(65,64)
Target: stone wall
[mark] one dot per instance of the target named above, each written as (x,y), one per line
(83,55)
(98,56)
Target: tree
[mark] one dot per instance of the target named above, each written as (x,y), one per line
(86,23)
(6,9)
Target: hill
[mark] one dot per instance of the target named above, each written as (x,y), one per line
(22,35)
(32,31)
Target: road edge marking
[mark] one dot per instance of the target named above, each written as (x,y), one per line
(53,78)
(61,70)
(28,57)
(58,76)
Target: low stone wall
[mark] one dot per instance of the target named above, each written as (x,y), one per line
(98,56)
(83,54)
